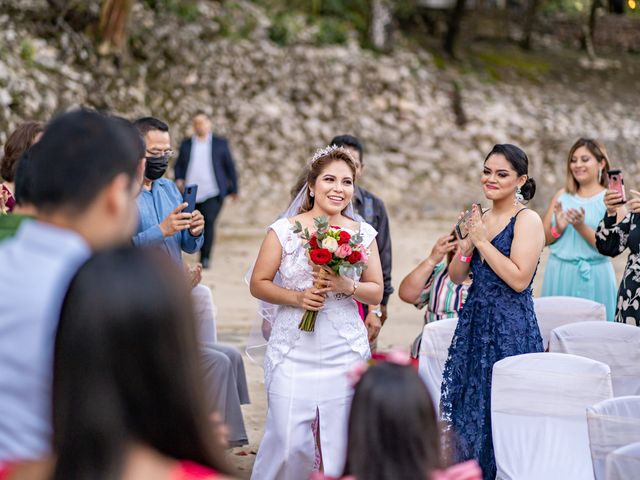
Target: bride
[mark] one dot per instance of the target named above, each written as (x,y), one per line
(305,372)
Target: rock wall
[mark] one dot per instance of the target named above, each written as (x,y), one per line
(278,104)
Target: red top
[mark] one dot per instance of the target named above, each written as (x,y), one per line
(5,470)
(191,471)
(9,204)
(184,471)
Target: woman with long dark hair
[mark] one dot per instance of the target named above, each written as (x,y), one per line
(127,393)
(393,430)
(502,252)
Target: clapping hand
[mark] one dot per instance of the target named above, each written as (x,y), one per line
(464,244)
(477,228)
(561,217)
(575,216)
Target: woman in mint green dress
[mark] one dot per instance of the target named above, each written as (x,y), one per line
(575,268)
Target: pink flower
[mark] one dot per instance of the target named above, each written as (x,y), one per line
(469,470)
(399,357)
(354,374)
(343,251)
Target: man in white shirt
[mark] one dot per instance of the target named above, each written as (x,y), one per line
(206,160)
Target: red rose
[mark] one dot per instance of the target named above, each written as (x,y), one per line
(355,257)
(320,256)
(344,237)
(313,241)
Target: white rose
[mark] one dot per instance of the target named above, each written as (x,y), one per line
(330,244)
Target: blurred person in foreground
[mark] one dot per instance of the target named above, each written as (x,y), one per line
(206,160)
(178,231)
(126,372)
(395,446)
(85,175)
(18,142)
(373,211)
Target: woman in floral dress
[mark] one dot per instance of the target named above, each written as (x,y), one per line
(617,232)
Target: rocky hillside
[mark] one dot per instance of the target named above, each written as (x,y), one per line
(426,127)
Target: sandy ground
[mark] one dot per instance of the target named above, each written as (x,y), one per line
(237,246)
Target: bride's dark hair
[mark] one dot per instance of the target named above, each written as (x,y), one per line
(318,166)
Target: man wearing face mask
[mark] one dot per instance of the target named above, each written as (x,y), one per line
(225,381)
(160,198)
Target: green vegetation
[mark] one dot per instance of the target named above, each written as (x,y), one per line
(522,64)
(184,9)
(27,51)
(234,22)
(328,21)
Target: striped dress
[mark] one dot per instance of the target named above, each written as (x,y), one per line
(441,296)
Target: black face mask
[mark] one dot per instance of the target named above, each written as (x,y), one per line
(156,166)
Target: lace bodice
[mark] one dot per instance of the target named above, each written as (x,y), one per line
(295,273)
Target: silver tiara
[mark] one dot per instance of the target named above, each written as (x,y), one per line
(323,152)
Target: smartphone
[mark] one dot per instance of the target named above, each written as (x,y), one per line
(462,227)
(189,196)
(616,183)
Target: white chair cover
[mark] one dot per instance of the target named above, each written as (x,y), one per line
(538,415)
(612,424)
(616,344)
(434,350)
(553,312)
(624,463)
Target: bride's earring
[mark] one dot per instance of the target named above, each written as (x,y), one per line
(519,198)
(311,194)
(600,176)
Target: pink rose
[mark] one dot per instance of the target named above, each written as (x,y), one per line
(364,258)
(399,357)
(343,251)
(354,374)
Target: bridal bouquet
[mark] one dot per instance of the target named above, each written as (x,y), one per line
(331,248)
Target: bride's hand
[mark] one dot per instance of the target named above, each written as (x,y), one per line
(311,299)
(332,282)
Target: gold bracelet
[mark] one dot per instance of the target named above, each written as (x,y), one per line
(355,287)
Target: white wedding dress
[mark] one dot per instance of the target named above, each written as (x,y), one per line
(305,373)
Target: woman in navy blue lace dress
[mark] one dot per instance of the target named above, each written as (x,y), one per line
(502,252)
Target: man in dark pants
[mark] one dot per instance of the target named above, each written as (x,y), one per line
(205,160)
(373,211)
